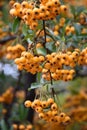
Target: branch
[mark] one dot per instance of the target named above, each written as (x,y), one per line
(51,78)
(6,39)
(36,37)
(9,38)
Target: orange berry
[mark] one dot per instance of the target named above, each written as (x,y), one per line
(13,12)
(37,102)
(62,115)
(16,5)
(54,113)
(56,2)
(63,8)
(44,104)
(43,8)
(67,120)
(11,3)
(38,109)
(41,115)
(21,127)
(50,101)
(24,4)
(36,11)
(49,113)
(54,106)
(15,127)
(29,127)
(28,103)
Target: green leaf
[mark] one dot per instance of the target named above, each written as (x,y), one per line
(38,77)
(77,28)
(51,46)
(29,34)
(83,35)
(25,29)
(41,51)
(80,9)
(85,11)
(16,25)
(50,33)
(83,46)
(35,85)
(73,10)
(5,14)
(39,25)
(22,112)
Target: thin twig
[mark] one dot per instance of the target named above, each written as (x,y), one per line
(51,37)
(51,78)
(36,37)
(44,32)
(52,89)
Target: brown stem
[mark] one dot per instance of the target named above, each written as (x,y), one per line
(52,89)
(36,37)
(51,78)
(44,32)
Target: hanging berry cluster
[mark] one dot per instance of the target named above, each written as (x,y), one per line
(30,13)
(48,111)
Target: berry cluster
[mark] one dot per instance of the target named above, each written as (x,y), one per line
(62,74)
(79,114)
(82,60)
(55,63)
(48,111)
(70,28)
(58,26)
(77,106)
(29,62)
(14,51)
(30,13)
(22,127)
(7,96)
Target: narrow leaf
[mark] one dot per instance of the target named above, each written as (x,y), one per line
(41,51)
(16,25)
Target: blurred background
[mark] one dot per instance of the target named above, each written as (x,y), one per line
(15,84)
